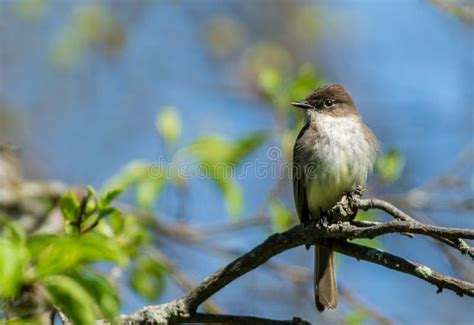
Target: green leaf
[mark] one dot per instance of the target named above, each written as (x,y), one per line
(213,150)
(72,229)
(68,49)
(218,157)
(129,175)
(147,278)
(270,81)
(210,150)
(104,228)
(168,124)
(147,192)
(91,191)
(95,223)
(134,234)
(109,196)
(358,317)
(57,254)
(14,257)
(233,196)
(12,231)
(282,218)
(117,222)
(107,211)
(69,206)
(91,207)
(104,295)
(305,82)
(147,180)
(71,298)
(246,145)
(390,166)
(90,24)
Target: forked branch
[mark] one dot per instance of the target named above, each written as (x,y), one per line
(332,235)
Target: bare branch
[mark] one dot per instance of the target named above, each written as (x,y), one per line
(402,265)
(186,306)
(234,319)
(173,313)
(349,231)
(366,204)
(300,235)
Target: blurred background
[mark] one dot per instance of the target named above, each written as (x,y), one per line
(112,93)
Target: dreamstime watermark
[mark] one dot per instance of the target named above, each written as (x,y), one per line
(273,167)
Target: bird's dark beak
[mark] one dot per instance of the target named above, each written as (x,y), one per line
(302,105)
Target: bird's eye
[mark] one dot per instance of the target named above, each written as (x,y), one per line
(328,102)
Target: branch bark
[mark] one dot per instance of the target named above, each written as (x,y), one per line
(159,315)
(397,263)
(333,236)
(367,204)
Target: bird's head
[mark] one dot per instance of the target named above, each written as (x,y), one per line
(331,100)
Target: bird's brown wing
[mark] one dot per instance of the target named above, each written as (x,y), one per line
(299,184)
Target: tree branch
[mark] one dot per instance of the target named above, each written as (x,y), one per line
(366,204)
(396,263)
(313,234)
(184,309)
(160,314)
(237,319)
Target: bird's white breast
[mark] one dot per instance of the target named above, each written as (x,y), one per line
(343,157)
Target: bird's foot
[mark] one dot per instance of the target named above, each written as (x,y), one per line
(355,194)
(324,219)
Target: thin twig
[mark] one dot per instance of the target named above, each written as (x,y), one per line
(402,265)
(367,204)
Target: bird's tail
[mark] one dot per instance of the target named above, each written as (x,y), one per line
(325,289)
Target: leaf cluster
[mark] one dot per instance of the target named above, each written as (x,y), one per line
(66,272)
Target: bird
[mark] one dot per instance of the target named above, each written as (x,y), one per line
(333,154)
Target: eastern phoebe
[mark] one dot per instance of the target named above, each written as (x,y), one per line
(332,155)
